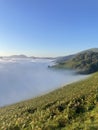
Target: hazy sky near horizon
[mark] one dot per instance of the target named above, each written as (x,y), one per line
(48,27)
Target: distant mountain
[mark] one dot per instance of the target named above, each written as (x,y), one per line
(42,57)
(18,56)
(24,56)
(33,57)
(85,62)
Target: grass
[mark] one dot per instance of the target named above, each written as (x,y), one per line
(72,107)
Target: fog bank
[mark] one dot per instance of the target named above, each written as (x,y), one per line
(26,78)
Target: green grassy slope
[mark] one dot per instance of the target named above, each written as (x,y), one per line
(85,63)
(72,107)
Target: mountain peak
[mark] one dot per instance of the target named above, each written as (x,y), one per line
(18,56)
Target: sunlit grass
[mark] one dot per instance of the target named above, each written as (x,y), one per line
(72,107)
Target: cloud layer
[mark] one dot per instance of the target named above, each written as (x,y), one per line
(22,79)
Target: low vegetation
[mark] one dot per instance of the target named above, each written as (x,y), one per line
(84,63)
(72,107)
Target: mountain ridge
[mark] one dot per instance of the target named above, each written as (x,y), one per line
(84,62)
(64,58)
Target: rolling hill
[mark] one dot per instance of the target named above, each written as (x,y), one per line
(85,62)
(68,57)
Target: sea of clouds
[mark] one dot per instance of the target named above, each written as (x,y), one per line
(22,79)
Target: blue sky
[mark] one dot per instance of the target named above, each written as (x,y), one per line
(48,27)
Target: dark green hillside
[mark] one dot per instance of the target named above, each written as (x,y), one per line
(73,107)
(85,63)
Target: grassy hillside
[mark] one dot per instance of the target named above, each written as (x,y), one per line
(62,59)
(85,62)
(72,107)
